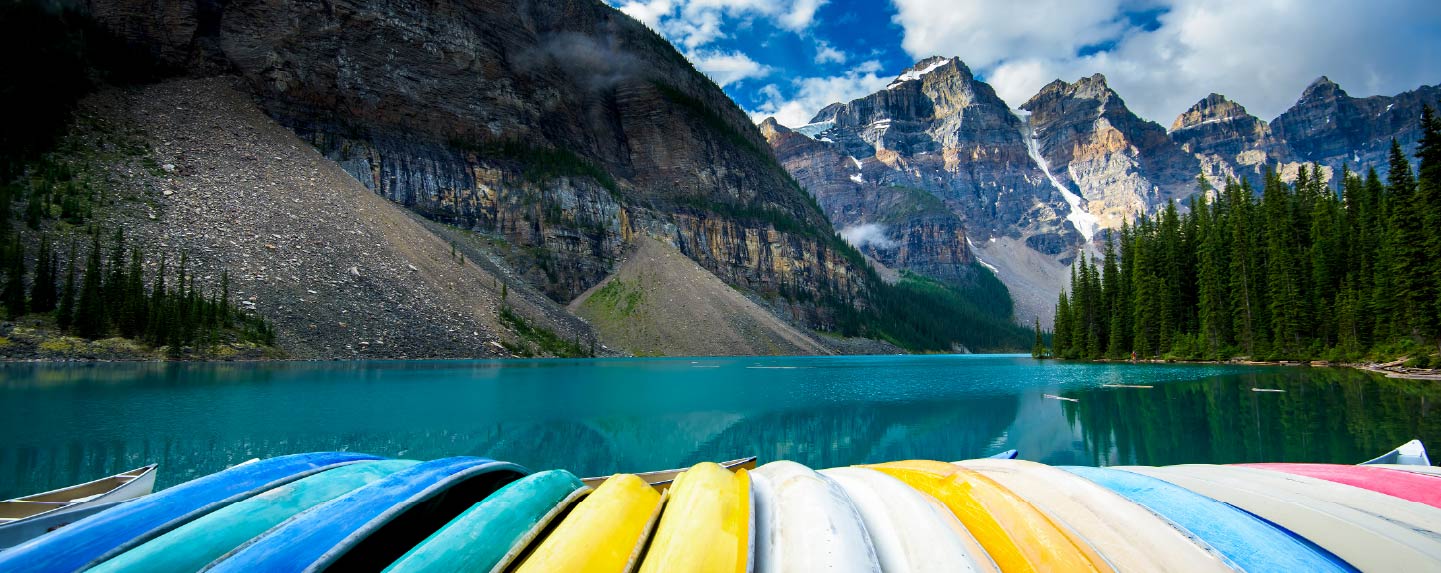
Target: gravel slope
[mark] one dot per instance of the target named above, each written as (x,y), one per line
(342,272)
(659,302)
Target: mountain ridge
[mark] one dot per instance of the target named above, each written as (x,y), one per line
(1104,164)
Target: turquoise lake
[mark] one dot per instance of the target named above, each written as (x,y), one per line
(62,424)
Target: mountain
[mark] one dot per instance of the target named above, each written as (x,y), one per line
(567,128)
(541,145)
(918,173)
(535,145)
(935,164)
(1119,164)
(1329,127)
(1226,139)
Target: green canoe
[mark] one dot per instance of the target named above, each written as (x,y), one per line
(492,533)
(196,544)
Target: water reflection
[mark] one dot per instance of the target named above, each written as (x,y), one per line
(64,424)
(1324,414)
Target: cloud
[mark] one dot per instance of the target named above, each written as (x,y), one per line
(728,67)
(826,53)
(1260,53)
(871,234)
(696,23)
(810,94)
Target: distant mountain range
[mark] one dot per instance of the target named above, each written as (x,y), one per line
(935,170)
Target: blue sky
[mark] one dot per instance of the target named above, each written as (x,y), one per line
(788,58)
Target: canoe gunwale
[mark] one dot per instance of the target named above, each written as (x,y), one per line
(662,479)
(205,510)
(546,523)
(136,476)
(360,534)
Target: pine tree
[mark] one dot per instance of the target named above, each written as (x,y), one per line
(1061,332)
(1408,263)
(65,312)
(13,295)
(90,320)
(1428,204)
(42,288)
(1038,350)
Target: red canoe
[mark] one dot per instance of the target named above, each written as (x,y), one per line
(1409,486)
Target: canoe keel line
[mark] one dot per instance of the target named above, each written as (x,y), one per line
(340,511)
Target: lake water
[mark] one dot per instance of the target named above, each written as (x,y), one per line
(62,424)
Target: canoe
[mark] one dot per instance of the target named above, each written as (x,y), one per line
(605,533)
(191,546)
(126,525)
(1412,453)
(1017,536)
(1364,540)
(1425,470)
(1409,486)
(662,479)
(805,522)
(25,518)
(1006,455)
(911,531)
(706,525)
(491,534)
(1250,543)
(375,524)
(1129,536)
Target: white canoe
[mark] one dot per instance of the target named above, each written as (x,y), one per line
(25,518)
(1129,536)
(911,531)
(1412,453)
(1350,524)
(805,522)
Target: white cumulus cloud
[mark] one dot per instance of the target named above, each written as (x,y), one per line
(696,23)
(810,94)
(1260,53)
(727,67)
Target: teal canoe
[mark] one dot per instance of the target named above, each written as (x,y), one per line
(492,533)
(192,546)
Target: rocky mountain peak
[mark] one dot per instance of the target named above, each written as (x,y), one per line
(929,66)
(1322,89)
(1213,108)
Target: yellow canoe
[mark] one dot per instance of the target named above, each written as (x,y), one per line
(706,526)
(1129,536)
(1018,537)
(603,534)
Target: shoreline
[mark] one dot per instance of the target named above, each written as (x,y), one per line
(1393,369)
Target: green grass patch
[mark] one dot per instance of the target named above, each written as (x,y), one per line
(538,340)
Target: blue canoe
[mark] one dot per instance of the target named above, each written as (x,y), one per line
(108,533)
(1253,544)
(376,524)
(192,546)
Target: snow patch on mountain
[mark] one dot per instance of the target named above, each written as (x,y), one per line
(913,75)
(1084,222)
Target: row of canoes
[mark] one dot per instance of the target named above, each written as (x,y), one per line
(344,511)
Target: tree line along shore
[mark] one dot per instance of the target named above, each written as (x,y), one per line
(1345,271)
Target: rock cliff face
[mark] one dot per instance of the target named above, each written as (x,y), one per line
(933,173)
(936,159)
(938,129)
(563,128)
(1328,126)
(900,227)
(1228,141)
(1120,164)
